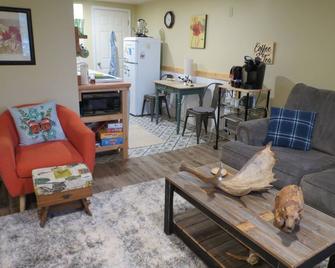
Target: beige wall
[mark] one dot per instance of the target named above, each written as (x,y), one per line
(302,29)
(54,75)
(87,6)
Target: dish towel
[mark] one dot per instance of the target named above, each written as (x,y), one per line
(114,63)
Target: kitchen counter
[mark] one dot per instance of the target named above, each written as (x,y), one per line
(104,87)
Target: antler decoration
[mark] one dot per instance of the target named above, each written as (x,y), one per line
(255,175)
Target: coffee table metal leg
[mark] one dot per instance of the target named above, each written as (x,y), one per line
(85,204)
(168,211)
(43,215)
(331,263)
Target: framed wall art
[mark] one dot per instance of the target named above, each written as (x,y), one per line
(16,37)
(198,31)
(265,51)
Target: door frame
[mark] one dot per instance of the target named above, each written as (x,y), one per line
(93,24)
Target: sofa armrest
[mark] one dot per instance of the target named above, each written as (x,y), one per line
(8,164)
(253,132)
(80,136)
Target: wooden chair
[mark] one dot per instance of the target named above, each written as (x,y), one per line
(202,114)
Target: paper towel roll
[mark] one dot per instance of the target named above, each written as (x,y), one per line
(84,73)
(188,64)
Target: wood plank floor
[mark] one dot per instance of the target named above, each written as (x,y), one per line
(119,173)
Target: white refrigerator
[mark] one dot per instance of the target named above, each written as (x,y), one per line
(142,56)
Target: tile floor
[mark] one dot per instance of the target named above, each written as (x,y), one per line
(166,130)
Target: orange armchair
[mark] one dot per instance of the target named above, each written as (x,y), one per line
(17,162)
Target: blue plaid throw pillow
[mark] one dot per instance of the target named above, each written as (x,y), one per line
(291,128)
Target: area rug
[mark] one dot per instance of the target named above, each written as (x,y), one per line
(140,137)
(126,230)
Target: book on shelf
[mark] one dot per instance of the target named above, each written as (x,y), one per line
(113,130)
(114,125)
(111,141)
(112,134)
(104,135)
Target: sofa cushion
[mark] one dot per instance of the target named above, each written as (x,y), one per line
(290,128)
(319,190)
(45,155)
(291,165)
(308,98)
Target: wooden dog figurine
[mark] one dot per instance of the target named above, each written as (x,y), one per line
(289,204)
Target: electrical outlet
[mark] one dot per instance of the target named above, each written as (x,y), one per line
(231,12)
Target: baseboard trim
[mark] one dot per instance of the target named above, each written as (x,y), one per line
(212,75)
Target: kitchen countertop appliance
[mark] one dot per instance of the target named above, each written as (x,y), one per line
(141,29)
(253,73)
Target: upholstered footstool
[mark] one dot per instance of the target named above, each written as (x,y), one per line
(60,185)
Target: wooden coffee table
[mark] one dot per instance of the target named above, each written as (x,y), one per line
(223,223)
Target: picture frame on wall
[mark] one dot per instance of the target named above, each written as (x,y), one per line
(198,30)
(16,37)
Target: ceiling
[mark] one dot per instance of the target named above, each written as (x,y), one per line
(134,2)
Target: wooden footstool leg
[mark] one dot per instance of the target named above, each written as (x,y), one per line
(85,203)
(43,215)
(22,203)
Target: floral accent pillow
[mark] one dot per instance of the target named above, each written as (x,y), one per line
(38,123)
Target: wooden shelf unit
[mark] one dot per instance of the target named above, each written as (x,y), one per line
(123,88)
(101,118)
(109,148)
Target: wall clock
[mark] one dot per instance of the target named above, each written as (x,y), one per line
(169,19)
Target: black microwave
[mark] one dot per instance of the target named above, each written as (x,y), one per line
(100,103)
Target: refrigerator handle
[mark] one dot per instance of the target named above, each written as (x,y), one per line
(126,69)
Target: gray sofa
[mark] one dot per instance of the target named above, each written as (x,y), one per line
(314,170)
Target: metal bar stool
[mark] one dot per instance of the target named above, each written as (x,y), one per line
(152,98)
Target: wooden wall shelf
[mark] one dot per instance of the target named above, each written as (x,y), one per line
(78,35)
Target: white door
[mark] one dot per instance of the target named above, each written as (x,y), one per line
(106,20)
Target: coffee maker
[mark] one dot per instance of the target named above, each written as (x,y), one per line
(253,73)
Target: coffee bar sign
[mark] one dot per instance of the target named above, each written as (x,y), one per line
(265,51)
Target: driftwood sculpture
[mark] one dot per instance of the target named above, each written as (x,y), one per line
(255,175)
(288,210)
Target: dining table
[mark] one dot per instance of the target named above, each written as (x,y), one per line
(181,89)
